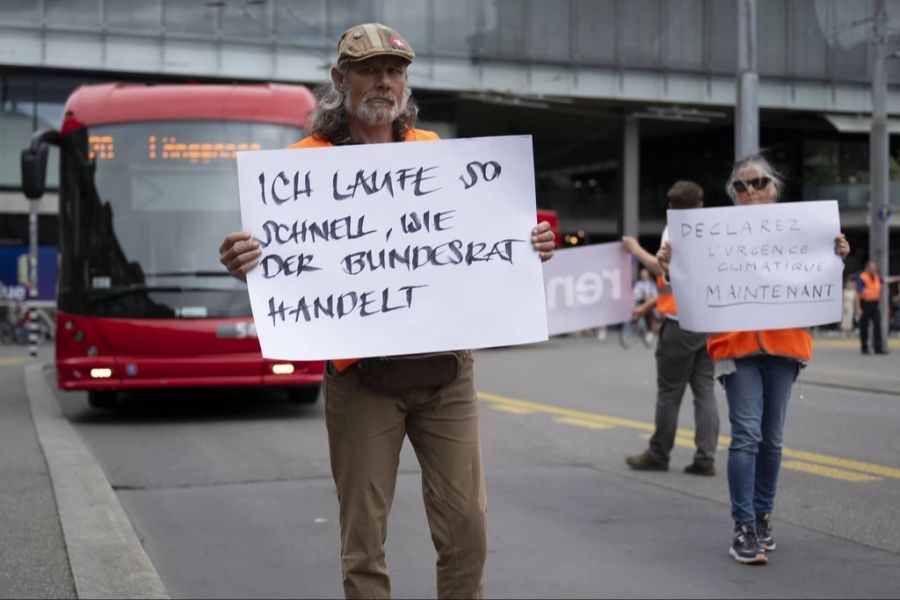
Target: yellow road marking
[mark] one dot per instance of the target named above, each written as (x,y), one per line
(587,423)
(844,463)
(816,469)
(516,410)
(14,360)
(797,465)
(565,412)
(848,342)
(827,471)
(822,463)
(684,441)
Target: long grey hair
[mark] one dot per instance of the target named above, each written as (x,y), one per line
(763,167)
(328,120)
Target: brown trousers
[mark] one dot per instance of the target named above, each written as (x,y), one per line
(366,428)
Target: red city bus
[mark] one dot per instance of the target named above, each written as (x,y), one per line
(147,189)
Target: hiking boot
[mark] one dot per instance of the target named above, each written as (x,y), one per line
(645,462)
(707,469)
(745,548)
(764,532)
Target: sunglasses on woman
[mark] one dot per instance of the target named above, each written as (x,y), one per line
(758,183)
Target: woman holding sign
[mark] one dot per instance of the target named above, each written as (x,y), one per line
(758,369)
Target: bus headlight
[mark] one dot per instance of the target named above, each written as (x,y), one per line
(282,368)
(101,373)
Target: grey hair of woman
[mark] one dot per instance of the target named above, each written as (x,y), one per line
(763,167)
(328,120)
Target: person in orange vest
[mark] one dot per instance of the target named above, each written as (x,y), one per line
(758,370)
(868,294)
(681,360)
(372,404)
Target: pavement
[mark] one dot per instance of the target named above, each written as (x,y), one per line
(838,362)
(33,558)
(65,534)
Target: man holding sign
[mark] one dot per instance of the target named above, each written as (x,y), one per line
(757,366)
(681,360)
(372,404)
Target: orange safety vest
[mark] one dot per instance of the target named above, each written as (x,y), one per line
(871,291)
(410,135)
(790,343)
(311,141)
(665,300)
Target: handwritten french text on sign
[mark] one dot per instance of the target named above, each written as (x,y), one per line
(588,286)
(766,266)
(384,249)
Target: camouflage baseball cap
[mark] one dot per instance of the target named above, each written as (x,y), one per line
(372,39)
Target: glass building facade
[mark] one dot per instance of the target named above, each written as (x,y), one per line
(567,72)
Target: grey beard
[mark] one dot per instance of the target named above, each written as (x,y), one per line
(374,116)
(377,116)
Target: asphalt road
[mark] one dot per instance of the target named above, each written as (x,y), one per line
(231,495)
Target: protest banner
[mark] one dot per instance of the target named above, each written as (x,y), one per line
(385,249)
(588,286)
(764,266)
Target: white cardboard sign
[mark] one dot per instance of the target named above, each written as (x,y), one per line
(385,249)
(766,266)
(588,286)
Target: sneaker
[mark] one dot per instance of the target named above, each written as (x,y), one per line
(707,469)
(764,532)
(644,462)
(745,549)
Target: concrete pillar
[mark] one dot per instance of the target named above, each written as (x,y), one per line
(631,174)
(746,122)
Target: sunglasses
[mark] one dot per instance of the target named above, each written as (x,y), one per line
(759,183)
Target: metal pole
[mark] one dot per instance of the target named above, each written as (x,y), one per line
(746,123)
(32,277)
(878,161)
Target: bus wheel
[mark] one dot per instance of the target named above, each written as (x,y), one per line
(102,398)
(303,394)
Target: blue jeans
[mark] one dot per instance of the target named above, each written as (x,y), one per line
(758,393)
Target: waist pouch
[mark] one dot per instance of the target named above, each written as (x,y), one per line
(410,372)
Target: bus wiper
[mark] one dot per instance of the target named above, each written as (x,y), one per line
(189,274)
(138,289)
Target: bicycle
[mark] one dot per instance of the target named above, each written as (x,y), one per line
(12,333)
(14,328)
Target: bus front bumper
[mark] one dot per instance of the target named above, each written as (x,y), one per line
(132,372)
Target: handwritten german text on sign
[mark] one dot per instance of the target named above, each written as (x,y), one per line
(766,266)
(588,286)
(384,249)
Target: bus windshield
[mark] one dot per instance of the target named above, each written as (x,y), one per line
(143,209)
